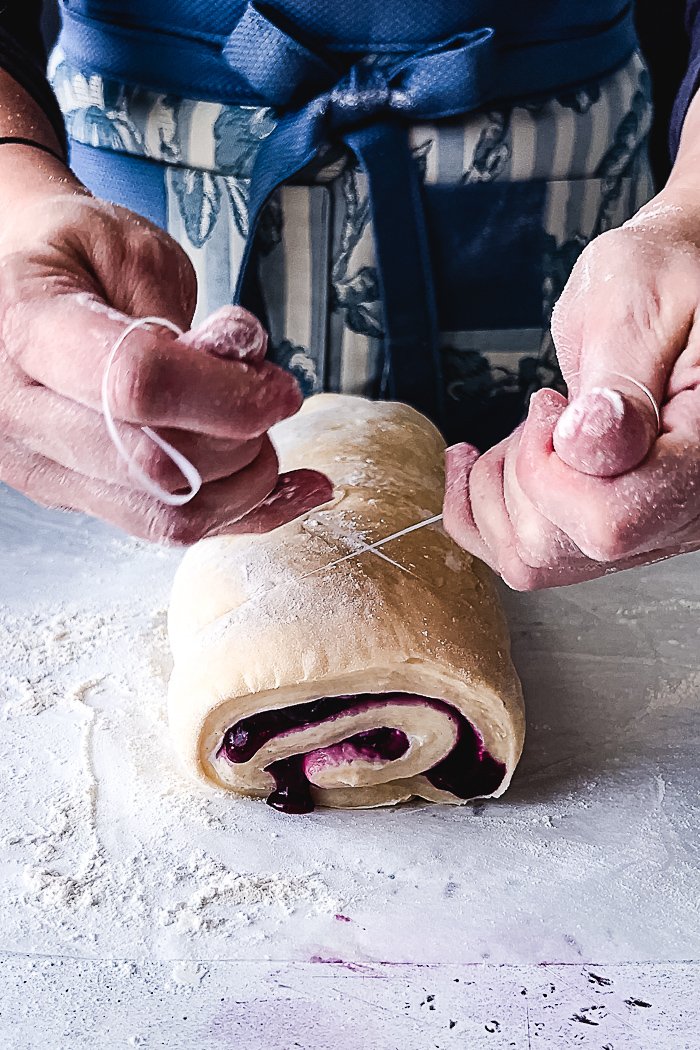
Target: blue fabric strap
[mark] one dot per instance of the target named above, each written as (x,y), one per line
(367,109)
(411,331)
(176,46)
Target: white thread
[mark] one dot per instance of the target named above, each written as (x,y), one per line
(188,470)
(373,548)
(647,391)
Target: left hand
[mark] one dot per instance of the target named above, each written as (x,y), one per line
(591,486)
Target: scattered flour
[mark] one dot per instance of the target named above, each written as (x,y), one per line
(243,894)
(189,974)
(90,687)
(37,648)
(674,694)
(107,852)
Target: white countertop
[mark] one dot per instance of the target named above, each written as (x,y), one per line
(156,913)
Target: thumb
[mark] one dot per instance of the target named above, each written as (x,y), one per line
(613,416)
(606,431)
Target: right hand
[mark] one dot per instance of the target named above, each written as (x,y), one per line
(74,272)
(590,486)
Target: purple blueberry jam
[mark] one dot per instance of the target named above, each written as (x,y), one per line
(467,772)
(293,791)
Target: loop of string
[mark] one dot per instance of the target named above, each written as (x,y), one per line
(640,386)
(188,470)
(647,391)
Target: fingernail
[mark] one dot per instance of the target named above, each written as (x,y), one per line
(309,486)
(231,333)
(603,433)
(595,414)
(460,458)
(312,485)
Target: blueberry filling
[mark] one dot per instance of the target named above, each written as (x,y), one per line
(468,771)
(292,793)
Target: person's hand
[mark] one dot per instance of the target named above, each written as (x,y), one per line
(593,485)
(74,272)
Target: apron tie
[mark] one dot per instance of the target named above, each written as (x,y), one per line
(367,110)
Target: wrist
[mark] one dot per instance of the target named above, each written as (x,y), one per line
(27,173)
(682,193)
(684,180)
(674,213)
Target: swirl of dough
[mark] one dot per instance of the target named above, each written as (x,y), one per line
(363,684)
(336,743)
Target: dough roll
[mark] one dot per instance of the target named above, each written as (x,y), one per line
(380,679)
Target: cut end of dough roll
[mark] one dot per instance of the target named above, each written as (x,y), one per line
(381,679)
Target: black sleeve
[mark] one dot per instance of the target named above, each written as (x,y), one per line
(23,55)
(691,80)
(665,47)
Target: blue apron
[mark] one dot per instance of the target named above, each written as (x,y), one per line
(354,79)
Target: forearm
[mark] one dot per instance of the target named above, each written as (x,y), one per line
(23,56)
(28,110)
(25,171)
(684,181)
(21,115)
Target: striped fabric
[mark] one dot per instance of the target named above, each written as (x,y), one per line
(545,177)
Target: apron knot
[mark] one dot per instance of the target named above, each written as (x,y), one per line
(366,109)
(363,94)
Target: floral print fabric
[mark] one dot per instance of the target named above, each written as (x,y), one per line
(587,149)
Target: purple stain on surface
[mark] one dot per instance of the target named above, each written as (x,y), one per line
(595,978)
(582,1019)
(343,918)
(364,968)
(466,772)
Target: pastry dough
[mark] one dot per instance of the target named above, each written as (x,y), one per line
(380,679)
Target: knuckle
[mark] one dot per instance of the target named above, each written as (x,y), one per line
(609,540)
(157,465)
(187,279)
(171,526)
(536,544)
(27,474)
(13,304)
(134,385)
(521,577)
(154,251)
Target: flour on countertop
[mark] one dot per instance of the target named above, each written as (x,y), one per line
(37,648)
(676,693)
(108,852)
(74,886)
(216,886)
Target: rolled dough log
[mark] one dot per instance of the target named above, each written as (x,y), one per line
(378,680)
